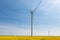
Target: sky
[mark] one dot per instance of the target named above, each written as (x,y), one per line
(15,17)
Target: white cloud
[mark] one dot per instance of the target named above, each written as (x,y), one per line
(42,30)
(13,30)
(55,2)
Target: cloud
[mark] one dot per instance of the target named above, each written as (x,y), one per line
(42,30)
(38,30)
(13,30)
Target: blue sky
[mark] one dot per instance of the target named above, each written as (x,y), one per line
(15,17)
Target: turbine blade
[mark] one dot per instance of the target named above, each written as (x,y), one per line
(36,7)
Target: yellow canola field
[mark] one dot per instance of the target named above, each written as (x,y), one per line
(29,37)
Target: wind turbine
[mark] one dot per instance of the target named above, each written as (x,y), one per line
(49,33)
(32,14)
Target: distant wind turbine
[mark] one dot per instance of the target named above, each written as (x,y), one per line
(49,33)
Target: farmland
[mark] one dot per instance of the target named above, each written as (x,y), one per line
(29,37)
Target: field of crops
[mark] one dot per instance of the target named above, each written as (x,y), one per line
(29,38)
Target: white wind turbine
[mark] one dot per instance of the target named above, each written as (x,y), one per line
(32,14)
